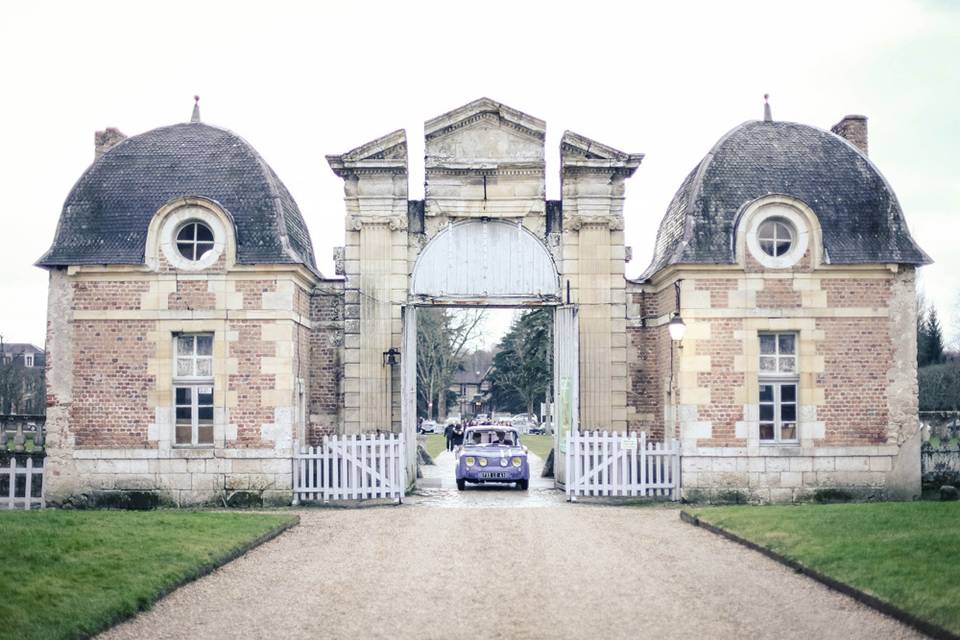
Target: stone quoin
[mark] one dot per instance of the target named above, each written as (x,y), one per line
(192,341)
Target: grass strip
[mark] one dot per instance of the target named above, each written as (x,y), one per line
(73,574)
(896,557)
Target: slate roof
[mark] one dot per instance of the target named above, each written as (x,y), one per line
(859,214)
(105,217)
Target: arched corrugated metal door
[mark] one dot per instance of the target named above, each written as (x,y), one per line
(490,261)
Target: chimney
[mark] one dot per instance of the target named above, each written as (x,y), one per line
(105,140)
(854,130)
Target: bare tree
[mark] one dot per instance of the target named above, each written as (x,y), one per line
(442,337)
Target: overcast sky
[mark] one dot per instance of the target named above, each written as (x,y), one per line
(301,80)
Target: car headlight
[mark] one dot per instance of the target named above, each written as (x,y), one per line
(517,461)
(471,461)
(483,462)
(503,462)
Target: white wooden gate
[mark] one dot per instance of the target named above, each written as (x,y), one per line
(351,467)
(22,494)
(620,464)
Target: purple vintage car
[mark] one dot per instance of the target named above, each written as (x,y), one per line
(492,453)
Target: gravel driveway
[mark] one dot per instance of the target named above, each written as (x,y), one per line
(487,568)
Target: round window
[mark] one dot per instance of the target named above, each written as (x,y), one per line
(776,236)
(194,240)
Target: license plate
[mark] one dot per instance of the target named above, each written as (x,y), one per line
(493,474)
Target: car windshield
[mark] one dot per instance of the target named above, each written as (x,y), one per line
(491,438)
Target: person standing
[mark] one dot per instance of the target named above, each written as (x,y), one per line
(448,434)
(458,435)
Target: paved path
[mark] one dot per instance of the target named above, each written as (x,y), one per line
(474,564)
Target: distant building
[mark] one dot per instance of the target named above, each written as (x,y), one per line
(30,355)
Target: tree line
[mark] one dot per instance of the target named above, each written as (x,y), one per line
(938,371)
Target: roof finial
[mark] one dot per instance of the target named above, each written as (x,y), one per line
(196,109)
(767,116)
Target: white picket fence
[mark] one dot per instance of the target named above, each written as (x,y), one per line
(620,464)
(351,467)
(28,467)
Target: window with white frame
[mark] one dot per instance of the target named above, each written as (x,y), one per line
(28,360)
(193,389)
(778,387)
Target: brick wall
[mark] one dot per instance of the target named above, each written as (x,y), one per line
(249,383)
(724,409)
(111,384)
(857,356)
(191,295)
(326,340)
(113,294)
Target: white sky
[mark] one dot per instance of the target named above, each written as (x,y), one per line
(300,80)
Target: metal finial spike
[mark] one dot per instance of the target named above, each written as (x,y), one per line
(196,109)
(767,115)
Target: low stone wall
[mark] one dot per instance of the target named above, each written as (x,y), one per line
(179,477)
(781,474)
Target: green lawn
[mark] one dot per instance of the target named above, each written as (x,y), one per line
(70,574)
(539,445)
(903,552)
(434,443)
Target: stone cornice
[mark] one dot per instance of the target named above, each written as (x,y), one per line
(576,221)
(486,168)
(355,222)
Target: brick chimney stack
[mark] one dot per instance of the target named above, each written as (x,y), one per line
(105,140)
(854,129)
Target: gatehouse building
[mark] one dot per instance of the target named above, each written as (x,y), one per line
(193,344)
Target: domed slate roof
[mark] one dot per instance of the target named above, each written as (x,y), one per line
(106,216)
(859,214)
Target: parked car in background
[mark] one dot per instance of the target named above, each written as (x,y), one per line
(541,429)
(524,422)
(492,454)
(429,426)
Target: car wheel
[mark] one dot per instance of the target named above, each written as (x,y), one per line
(523,484)
(461,485)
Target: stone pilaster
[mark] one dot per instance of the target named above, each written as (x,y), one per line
(593,259)
(376,271)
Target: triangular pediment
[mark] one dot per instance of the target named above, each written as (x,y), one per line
(578,150)
(389,151)
(484,132)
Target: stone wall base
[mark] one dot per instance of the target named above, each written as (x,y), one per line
(726,475)
(111,479)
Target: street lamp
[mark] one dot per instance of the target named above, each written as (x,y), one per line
(677,327)
(391,357)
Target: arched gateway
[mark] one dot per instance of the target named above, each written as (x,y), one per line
(194,349)
(485,235)
(491,263)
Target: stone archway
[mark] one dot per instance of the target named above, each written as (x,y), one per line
(490,263)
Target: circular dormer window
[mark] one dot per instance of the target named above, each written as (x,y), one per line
(776,237)
(194,240)
(192,237)
(777,233)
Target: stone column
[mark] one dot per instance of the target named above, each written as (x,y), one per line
(376,274)
(592,184)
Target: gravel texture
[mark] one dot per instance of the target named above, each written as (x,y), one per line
(475,564)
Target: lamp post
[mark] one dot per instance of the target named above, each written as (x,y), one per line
(391,358)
